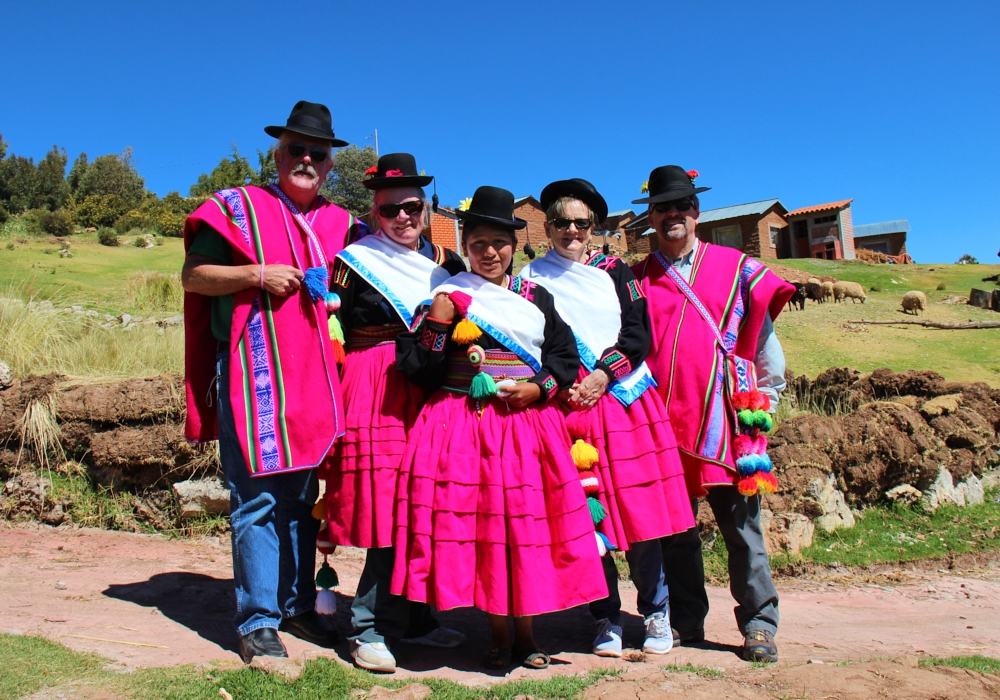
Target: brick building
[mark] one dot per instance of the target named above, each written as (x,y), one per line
(887,237)
(821,231)
(754,228)
(444,230)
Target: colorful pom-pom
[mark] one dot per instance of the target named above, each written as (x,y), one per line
(745,420)
(475,355)
(578,424)
(747,486)
(584,455)
(326,602)
(332,301)
(591,485)
(743,445)
(766,482)
(461,300)
(326,577)
(760,444)
(765,464)
(317,282)
(466,332)
(482,386)
(741,400)
(319,510)
(764,403)
(323,543)
(762,420)
(597,512)
(747,465)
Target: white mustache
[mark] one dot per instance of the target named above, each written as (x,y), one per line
(305,168)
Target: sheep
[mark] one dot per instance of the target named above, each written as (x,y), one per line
(914,301)
(826,291)
(844,290)
(814,290)
(799,298)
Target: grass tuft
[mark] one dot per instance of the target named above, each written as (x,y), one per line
(703,671)
(39,432)
(154,291)
(978,663)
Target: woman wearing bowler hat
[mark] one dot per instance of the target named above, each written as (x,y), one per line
(636,482)
(492,513)
(380,280)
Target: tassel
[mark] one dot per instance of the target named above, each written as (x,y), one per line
(337,339)
(319,510)
(482,386)
(466,332)
(338,352)
(332,301)
(317,282)
(326,577)
(747,486)
(461,300)
(597,512)
(326,602)
(602,547)
(584,455)
(590,483)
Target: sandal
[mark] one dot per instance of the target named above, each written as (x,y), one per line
(535,659)
(497,659)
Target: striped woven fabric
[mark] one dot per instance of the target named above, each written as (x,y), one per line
(499,364)
(365,337)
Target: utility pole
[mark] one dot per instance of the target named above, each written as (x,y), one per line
(376,141)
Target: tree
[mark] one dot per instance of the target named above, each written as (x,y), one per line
(77,172)
(967,260)
(53,190)
(113,175)
(18,184)
(232,171)
(343,185)
(267,170)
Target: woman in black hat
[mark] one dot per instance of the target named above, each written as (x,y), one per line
(491,510)
(380,281)
(636,485)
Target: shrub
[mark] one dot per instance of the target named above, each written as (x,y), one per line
(100,210)
(56,223)
(967,260)
(941,287)
(107,236)
(133,219)
(875,288)
(155,291)
(3,215)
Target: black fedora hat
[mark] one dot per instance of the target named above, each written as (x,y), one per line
(396,170)
(577,188)
(494,206)
(308,119)
(670,182)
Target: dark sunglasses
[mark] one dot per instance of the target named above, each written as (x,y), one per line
(680,205)
(562,223)
(316,154)
(391,211)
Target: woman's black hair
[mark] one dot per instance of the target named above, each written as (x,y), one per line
(469,226)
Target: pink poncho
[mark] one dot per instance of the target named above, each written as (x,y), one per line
(284,388)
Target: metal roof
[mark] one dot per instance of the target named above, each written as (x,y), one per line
(622,212)
(737,210)
(882,228)
(821,207)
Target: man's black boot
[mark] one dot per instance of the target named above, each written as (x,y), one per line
(758,645)
(262,642)
(311,628)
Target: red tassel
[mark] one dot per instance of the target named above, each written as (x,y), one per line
(461,300)
(338,352)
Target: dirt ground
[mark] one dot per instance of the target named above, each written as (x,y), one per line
(143,600)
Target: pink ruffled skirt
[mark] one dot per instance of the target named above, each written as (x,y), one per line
(380,406)
(640,473)
(491,512)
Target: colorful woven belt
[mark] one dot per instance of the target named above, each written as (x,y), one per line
(499,364)
(365,337)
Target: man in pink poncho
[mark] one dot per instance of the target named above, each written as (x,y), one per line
(261,374)
(688,282)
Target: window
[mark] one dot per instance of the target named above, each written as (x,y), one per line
(774,236)
(825,219)
(801,228)
(728,236)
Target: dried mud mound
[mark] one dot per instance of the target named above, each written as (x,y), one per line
(886,429)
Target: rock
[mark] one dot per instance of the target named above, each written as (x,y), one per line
(125,319)
(905,494)
(836,513)
(789,531)
(6,375)
(55,516)
(941,492)
(289,669)
(173,320)
(941,405)
(991,480)
(60,585)
(971,489)
(413,691)
(198,496)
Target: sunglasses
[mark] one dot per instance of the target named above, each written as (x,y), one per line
(316,154)
(680,205)
(562,223)
(391,211)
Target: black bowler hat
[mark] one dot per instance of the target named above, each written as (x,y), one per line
(308,119)
(576,188)
(396,170)
(670,182)
(493,206)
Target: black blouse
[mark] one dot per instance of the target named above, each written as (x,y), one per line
(423,354)
(636,332)
(363,305)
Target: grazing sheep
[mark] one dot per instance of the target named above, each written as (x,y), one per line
(914,301)
(799,298)
(852,290)
(814,290)
(826,290)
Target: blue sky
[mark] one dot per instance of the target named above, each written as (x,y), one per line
(895,104)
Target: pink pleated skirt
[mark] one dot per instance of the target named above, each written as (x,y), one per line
(641,476)
(491,512)
(380,406)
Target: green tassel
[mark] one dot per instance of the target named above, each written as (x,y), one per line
(482,386)
(596,510)
(326,577)
(336,332)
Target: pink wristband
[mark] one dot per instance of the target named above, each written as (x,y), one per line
(262,275)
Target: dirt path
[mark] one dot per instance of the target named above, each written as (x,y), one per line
(175,596)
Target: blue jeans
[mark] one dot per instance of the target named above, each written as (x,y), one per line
(273,531)
(645,563)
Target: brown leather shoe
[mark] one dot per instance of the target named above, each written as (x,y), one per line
(758,645)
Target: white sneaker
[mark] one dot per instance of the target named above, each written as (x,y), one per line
(374,656)
(659,638)
(438,637)
(608,641)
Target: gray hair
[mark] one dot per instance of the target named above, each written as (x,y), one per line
(558,208)
(423,198)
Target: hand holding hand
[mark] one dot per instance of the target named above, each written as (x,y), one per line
(586,394)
